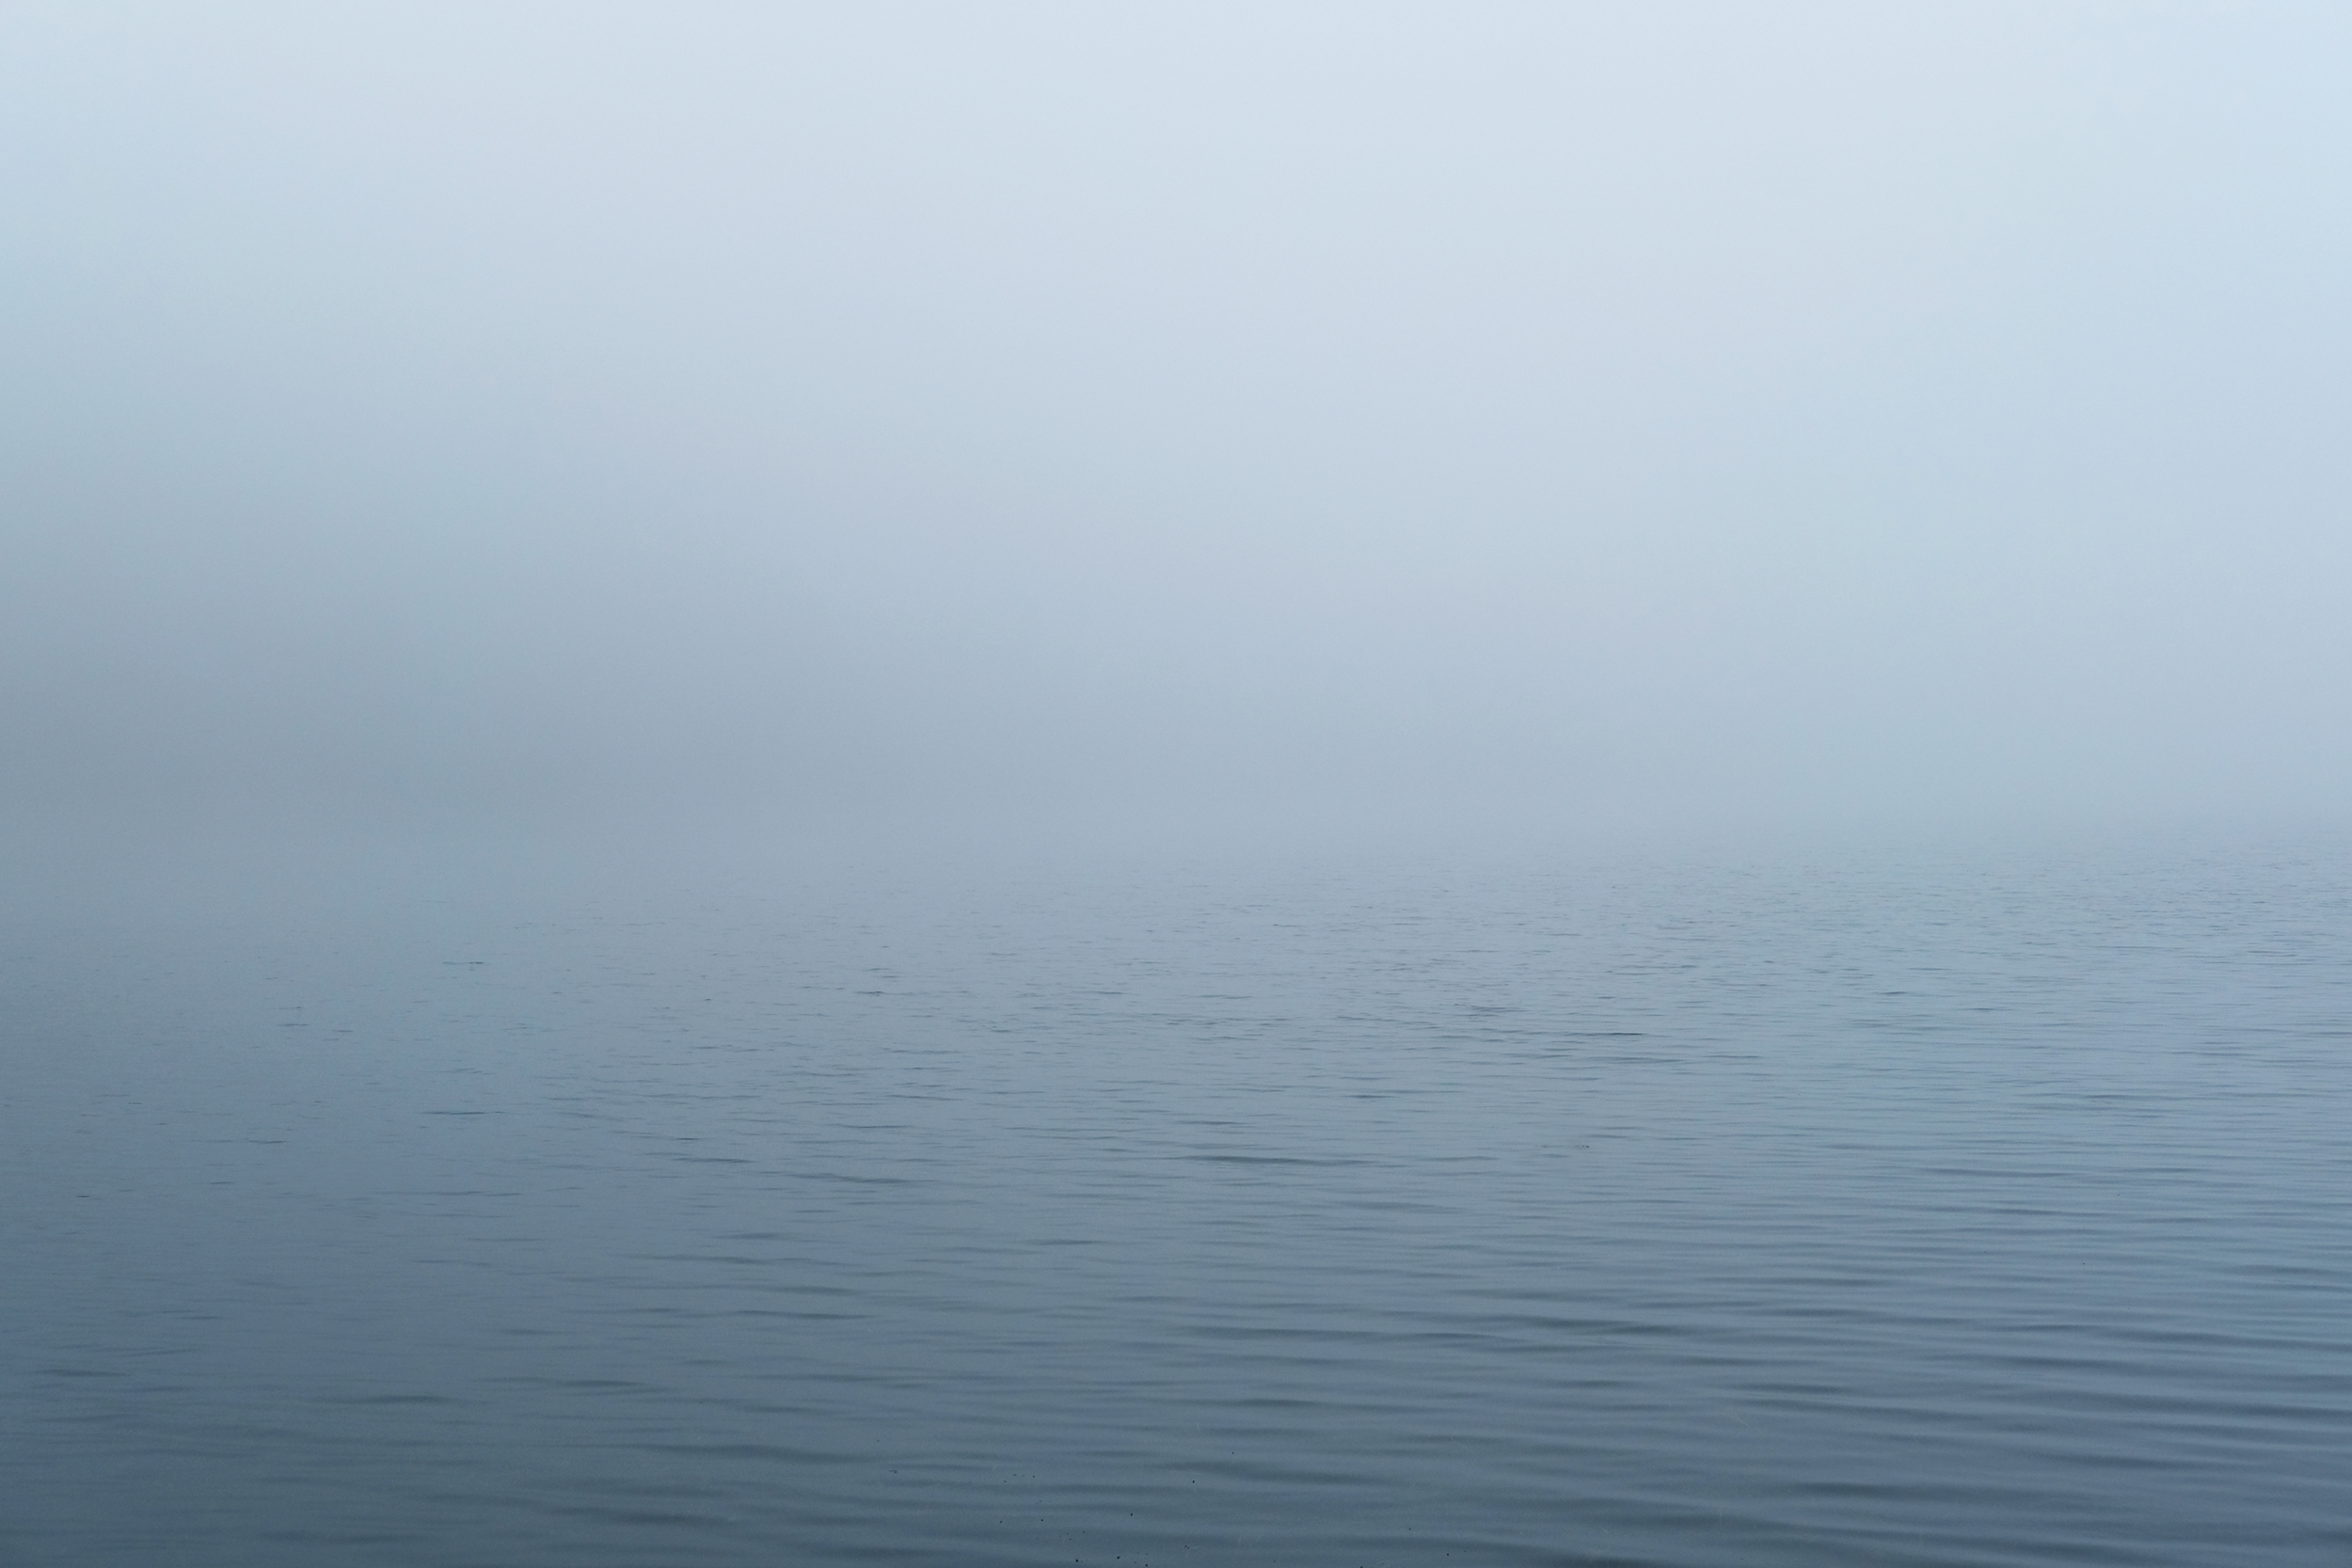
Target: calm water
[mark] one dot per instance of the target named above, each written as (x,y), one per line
(1985,1210)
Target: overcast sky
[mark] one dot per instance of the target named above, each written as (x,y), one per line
(1709,413)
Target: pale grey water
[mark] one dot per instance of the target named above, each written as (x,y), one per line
(1966,1209)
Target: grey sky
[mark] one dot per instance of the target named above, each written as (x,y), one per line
(1788,412)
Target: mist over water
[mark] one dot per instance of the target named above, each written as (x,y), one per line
(1255,784)
(1685,417)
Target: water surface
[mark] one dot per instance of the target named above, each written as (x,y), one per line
(1876,1210)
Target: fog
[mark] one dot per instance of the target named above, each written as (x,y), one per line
(1662,416)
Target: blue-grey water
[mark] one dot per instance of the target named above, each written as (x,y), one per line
(1874,1209)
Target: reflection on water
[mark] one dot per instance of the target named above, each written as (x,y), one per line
(1859,1211)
